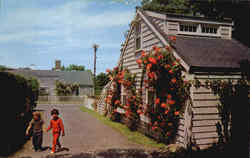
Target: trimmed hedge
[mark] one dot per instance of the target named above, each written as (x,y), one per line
(18,98)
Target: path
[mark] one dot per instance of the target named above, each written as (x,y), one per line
(84,134)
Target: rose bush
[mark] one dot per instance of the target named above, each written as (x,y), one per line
(164,77)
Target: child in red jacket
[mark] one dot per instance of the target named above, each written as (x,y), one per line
(56,124)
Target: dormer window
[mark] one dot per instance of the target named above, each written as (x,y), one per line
(188,27)
(138,36)
(209,29)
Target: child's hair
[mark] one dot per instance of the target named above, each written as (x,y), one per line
(54,111)
(38,114)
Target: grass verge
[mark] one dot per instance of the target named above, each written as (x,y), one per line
(132,136)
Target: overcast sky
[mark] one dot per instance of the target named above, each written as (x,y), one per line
(41,31)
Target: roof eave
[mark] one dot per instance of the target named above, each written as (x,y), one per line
(214,70)
(163,40)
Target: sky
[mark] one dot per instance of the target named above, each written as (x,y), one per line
(35,33)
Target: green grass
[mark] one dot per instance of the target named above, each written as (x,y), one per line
(132,136)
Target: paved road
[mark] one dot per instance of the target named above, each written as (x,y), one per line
(84,134)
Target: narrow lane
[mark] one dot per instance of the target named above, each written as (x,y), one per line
(83,134)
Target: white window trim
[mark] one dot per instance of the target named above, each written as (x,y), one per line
(138,36)
(199,32)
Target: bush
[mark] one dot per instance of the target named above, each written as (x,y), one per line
(18,98)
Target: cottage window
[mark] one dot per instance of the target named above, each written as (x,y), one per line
(188,27)
(209,29)
(137,36)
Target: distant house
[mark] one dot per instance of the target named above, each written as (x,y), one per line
(47,79)
(206,50)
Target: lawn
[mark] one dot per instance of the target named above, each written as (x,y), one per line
(132,136)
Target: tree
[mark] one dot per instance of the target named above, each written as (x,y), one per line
(2,68)
(101,80)
(73,67)
(171,6)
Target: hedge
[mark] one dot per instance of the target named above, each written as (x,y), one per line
(18,98)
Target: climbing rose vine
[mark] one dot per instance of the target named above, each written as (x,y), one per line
(164,79)
(114,93)
(133,104)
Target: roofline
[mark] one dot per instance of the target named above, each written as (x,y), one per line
(163,40)
(176,17)
(224,70)
(120,62)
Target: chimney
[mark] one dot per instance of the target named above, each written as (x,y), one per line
(58,65)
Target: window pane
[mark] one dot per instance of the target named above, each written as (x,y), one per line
(181,27)
(186,28)
(138,43)
(194,29)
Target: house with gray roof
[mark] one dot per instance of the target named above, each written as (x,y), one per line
(48,78)
(206,51)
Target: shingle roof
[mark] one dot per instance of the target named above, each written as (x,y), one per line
(80,77)
(205,54)
(211,53)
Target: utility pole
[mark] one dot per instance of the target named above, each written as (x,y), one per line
(95,46)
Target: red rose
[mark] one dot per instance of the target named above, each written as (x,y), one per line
(152,60)
(160,57)
(166,112)
(176,113)
(172,38)
(167,66)
(108,70)
(117,102)
(163,105)
(143,53)
(157,101)
(169,96)
(171,71)
(173,80)
(171,102)
(149,67)
(154,127)
(139,61)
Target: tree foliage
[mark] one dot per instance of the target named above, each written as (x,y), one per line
(73,67)
(66,89)
(171,6)
(2,68)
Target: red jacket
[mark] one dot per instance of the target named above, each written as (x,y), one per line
(56,125)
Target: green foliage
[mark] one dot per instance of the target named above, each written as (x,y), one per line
(66,89)
(73,67)
(2,68)
(230,94)
(164,79)
(210,8)
(18,98)
(100,81)
(171,6)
